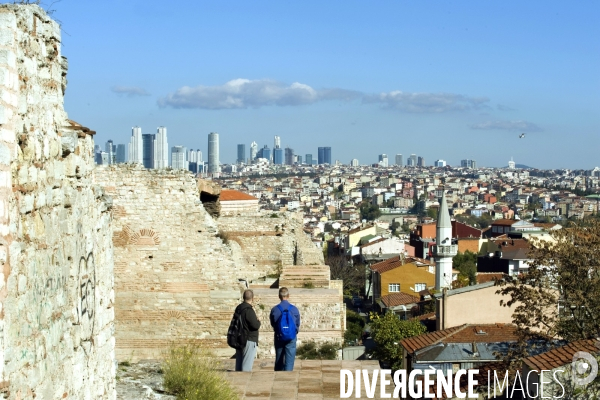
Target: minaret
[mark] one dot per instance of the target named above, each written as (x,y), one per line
(443,250)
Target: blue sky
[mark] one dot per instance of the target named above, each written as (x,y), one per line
(447,80)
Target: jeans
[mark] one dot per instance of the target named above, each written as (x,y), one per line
(285,354)
(245,358)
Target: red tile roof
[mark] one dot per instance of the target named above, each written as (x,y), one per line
(561,355)
(398,299)
(505,222)
(395,262)
(478,333)
(232,195)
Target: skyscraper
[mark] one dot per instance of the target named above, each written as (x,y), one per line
(439,163)
(111,151)
(468,164)
(213,153)
(308,159)
(399,159)
(148,147)
(253,150)
(136,148)
(383,160)
(277,142)
(299,159)
(412,160)
(354,162)
(324,156)
(421,161)
(121,153)
(289,156)
(161,148)
(277,156)
(241,153)
(178,158)
(265,153)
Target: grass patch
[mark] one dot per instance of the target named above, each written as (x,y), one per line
(308,284)
(191,373)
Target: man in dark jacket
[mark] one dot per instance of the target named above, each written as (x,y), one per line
(245,358)
(285,350)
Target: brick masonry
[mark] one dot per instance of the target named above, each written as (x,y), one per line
(56,280)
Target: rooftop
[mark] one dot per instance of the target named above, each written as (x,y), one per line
(233,195)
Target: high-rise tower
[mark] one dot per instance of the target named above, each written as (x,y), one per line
(241,153)
(443,250)
(213,152)
(277,142)
(161,148)
(136,149)
(253,150)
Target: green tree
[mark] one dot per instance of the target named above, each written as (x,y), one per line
(432,213)
(369,211)
(355,325)
(466,264)
(564,275)
(388,331)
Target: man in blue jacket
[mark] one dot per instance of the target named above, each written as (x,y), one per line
(285,349)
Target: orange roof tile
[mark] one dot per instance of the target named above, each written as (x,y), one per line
(398,299)
(395,262)
(233,195)
(467,333)
(561,355)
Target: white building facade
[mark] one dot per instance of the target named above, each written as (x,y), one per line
(136,150)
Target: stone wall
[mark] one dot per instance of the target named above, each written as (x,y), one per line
(175,278)
(56,281)
(322,312)
(266,244)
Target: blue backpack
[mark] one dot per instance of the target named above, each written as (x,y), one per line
(286,325)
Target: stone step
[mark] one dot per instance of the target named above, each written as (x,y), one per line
(310,379)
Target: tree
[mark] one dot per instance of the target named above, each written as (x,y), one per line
(354,276)
(369,211)
(432,213)
(564,275)
(388,331)
(466,264)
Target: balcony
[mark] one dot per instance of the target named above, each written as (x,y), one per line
(445,250)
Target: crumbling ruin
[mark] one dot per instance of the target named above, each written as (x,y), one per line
(56,284)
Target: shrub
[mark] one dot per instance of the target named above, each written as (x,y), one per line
(308,284)
(192,373)
(354,327)
(274,215)
(311,351)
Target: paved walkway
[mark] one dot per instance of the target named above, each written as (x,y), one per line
(310,380)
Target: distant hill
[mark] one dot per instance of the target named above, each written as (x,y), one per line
(521,166)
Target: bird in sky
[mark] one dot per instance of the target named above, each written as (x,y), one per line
(521,136)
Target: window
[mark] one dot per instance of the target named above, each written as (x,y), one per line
(419,287)
(394,287)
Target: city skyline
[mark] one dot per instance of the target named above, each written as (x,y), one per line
(450,81)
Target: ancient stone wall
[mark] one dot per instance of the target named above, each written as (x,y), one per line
(56,281)
(322,313)
(266,244)
(175,278)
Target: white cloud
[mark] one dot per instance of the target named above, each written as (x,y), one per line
(130,91)
(245,93)
(508,126)
(426,102)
